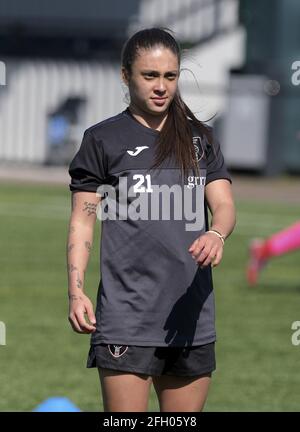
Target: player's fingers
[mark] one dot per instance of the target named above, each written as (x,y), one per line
(90,314)
(74,323)
(206,260)
(193,245)
(84,326)
(203,253)
(199,244)
(218,258)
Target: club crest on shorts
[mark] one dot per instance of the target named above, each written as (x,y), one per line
(117,350)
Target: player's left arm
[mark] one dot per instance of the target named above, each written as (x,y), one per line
(208,248)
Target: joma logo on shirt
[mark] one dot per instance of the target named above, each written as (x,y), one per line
(138,150)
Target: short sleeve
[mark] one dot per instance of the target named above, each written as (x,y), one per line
(215,164)
(87,169)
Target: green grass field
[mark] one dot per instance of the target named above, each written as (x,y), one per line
(257,365)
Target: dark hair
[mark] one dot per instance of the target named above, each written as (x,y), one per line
(176,137)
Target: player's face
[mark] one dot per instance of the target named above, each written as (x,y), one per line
(154,80)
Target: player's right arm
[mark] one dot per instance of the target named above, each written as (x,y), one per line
(79,244)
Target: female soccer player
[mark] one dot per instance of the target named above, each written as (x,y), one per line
(155,168)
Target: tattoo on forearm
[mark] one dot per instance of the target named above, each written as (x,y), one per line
(72,229)
(88,246)
(78,281)
(70,247)
(90,208)
(72,268)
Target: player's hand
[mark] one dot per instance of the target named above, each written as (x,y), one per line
(207,249)
(80,305)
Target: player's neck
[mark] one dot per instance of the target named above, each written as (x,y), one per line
(148,120)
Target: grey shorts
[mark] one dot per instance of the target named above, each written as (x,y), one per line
(180,361)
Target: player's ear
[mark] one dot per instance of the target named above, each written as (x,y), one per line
(125,77)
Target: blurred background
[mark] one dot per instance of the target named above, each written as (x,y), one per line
(59,74)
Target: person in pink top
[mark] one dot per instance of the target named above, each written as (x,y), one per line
(261,251)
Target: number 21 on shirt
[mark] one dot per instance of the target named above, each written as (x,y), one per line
(142,180)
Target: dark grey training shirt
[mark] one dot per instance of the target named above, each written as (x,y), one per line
(151,292)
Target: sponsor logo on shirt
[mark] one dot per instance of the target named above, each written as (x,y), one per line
(194,181)
(138,150)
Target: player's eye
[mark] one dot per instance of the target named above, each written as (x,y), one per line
(171,77)
(149,75)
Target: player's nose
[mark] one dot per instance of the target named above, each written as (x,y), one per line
(160,86)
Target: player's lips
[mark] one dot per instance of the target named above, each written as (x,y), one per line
(159,100)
